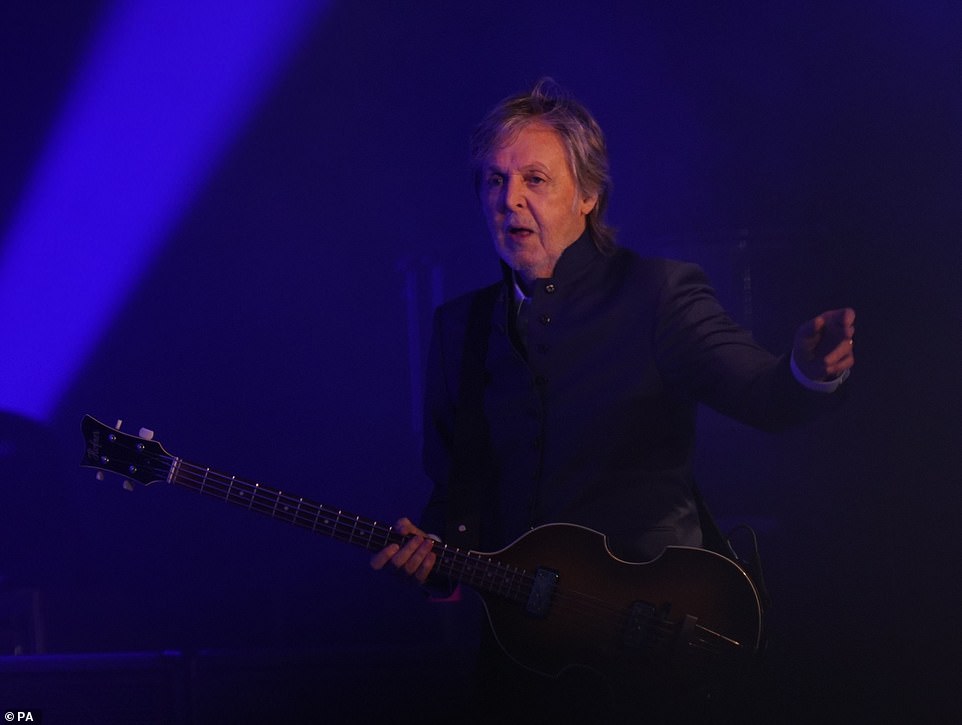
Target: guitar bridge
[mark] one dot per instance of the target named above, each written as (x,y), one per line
(539,598)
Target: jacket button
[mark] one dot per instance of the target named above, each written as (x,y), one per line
(544,319)
(550,288)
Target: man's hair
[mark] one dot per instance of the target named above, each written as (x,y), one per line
(549,104)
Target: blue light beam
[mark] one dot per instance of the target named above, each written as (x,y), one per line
(164,91)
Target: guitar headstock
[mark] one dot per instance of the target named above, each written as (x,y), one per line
(136,458)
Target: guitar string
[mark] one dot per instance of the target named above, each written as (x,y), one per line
(345,525)
(265,500)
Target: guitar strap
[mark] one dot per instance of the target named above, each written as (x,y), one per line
(712,537)
(714,540)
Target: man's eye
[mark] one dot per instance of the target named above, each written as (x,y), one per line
(495,180)
(536,180)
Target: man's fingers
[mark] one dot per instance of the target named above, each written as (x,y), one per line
(841,322)
(808,331)
(848,318)
(384,556)
(419,549)
(395,553)
(840,359)
(414,557)
(827,337)
(404,526)
(843,350)
(426,567)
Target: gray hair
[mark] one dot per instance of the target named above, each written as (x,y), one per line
(583,139)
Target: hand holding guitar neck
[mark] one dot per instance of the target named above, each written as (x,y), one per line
(414,557)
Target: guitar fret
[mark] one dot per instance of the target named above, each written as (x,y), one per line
(473,573)
(472,570)
(495,577)
(242,495)
(499,579)
(517,589)
(285,510)
(326,527)
(445,561)
(297,512)
(503,580)
(652,630)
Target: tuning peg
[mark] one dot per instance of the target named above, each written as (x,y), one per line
(128,486)
(146,433)
(99,475)
(120,422)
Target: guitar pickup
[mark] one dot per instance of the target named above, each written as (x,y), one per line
(639,627)
(539,598)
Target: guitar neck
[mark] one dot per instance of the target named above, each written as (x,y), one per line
(688,604)
(295,510)
(478,571)
(589,610)
(142,459)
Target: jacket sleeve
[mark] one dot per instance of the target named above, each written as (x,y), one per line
(702,352)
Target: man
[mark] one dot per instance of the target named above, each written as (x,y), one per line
(567,391)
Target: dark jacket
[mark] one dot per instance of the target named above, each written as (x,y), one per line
(593,420)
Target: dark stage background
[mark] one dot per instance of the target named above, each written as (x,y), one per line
(278,329)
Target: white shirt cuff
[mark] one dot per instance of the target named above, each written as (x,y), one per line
(819,386)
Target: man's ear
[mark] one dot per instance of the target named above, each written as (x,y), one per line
(588,203)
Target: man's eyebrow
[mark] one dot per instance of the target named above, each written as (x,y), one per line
(533,166)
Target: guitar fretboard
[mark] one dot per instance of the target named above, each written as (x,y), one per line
(478,571)
(689,604)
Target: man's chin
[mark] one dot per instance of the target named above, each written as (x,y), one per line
(530,264)
(531,272)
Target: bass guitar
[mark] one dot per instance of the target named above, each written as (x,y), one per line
(556,598)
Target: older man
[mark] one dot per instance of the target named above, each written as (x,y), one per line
(567,391)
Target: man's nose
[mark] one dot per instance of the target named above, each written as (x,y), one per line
(513,197)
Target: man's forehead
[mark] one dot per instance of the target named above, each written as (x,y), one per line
(531,144)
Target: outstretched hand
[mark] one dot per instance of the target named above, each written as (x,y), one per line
(824,346)
(414,558)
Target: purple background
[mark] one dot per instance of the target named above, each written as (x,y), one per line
(277,324)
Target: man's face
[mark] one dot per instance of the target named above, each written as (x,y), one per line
(531,201)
